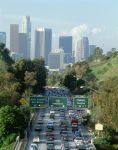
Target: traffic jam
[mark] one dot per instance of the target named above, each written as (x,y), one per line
(60,128)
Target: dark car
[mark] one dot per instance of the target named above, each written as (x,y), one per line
(50,137)
(64,133)
(50,146)
(63,126)
(49,131)
(38,128)
(65,138)
(66,146)
(42,114)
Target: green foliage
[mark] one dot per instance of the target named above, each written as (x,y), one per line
(9,139)
(8,89)
(70,82)
(5,55)
(13,120)
(55,79)
(101,141)
(8,147)
(30,74)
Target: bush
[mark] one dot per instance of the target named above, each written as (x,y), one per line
(9,139)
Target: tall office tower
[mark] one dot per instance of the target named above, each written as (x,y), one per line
(3,37)
(56,60)
(43,43)
(23,45)
(26,28)
(85,47)
(65,43)
(92,48)
(14,35)
(78,51)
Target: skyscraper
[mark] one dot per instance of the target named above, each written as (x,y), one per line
(3,37)
(43,43)
(85,47)
(26,28)
(56,60)
(14,38)
(23,45)
(78,51)
(65,43)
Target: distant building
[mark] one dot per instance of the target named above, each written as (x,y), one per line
(78,51)
(65,43)
(23,50)
(14,38)
(85,47)
(92,48)
(16,56)
(43,43)
(3,37)
(26,28)
(56,60)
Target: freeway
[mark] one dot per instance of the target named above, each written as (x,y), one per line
(62,136)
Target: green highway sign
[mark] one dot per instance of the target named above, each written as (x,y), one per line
(80,102)
(57,102)
(37,101)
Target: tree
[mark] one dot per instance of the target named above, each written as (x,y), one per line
(8,89)
(5,54)
(41,75)
(13,120)
(98,53)
(30,74)
(70,82)
(55,79)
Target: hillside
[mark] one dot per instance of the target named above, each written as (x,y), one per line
(105,69)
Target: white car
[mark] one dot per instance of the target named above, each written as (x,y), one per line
(36,139)
(78,141)
(33,146)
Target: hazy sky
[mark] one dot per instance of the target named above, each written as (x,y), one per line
(97,19)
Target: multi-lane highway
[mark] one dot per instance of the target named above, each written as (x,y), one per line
(61,136)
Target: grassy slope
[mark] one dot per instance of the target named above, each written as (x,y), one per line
(105,69)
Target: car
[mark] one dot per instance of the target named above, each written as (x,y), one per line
(50,137)
(50,124)
(70,112)
(78,141)
(40,121)
(63,122)
(63,127)
(36,139)
(33,146)
(62,130)
(78,134)
(49,130)
(66,146)
(50,146)
(52,116)
(42,114)
(38,128)
(64,133)
(65,137)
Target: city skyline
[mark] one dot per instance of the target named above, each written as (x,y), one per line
(68,18)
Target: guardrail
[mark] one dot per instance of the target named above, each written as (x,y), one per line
(17,143)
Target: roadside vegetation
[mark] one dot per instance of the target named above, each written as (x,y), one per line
(17,79)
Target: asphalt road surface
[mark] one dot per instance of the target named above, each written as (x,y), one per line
(44,115)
